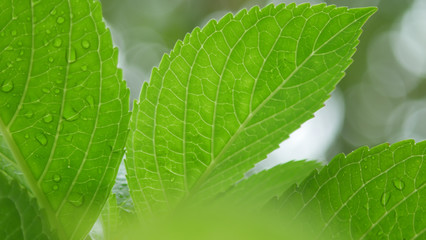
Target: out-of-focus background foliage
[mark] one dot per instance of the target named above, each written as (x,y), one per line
(381,99)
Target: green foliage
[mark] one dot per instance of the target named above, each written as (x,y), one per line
(254,192)
(377,193)
(21,217)
(223,99)
(228,94)
(64,108)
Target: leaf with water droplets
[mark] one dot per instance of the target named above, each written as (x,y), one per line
(229,93)
(45,118)
(370,192)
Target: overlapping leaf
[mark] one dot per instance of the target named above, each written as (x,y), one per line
(254,192)
(20,216)
(229,94)
(377,193)
(63,106)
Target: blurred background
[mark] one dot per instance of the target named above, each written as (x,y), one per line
(381,99)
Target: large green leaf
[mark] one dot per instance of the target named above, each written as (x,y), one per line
(63,107)
(229,94)
(254,192)
(377,193)
(20,216)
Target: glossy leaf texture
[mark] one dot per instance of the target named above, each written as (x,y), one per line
(229,93)
(20,216)
(255,191)
(377,193)
(64,107)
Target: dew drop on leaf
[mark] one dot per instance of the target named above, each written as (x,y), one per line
(21,53)
(48,31)
(69,138)
(29,114)
(69,114)
(13,32)
(76,199)
(41,138)
(27,136)
(398,184)
(57,178)
(71,56)
(91,101)
(53,12)
(55,187)
(51,59)
(7,86)
(48,118)
(84,68)
(85,44)
(57,42)
(60,20)
(385,198)
(45,90)
(57,91)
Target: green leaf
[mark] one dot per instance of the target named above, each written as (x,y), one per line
(110,218)
(228,94)
(254,192)
(20,216)
(64,107)
(377,193)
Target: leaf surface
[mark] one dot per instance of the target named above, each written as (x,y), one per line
(377,193)
(255,191)
(20,216)
(63,107)
(228,94)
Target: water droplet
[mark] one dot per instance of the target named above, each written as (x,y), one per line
(29,114)
(55,187)
(27,136)
(51,59)
(53,12)
(13,32)
(69,114)
(48,31)
(379,233)
(91,101)
(7,86)
(21,52)
(45,90)
(19,43)
(367,206)
(69,138)
(398,184)
(2,34)
(76,199)
(18,59)
(57,42)
(60,20)
(57,91)
(59,80)
(172,179)
(48,118)
(10,64)
(84,67)
(85,44)
(56,178)
(385,198)
(71,56)
(41,138)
